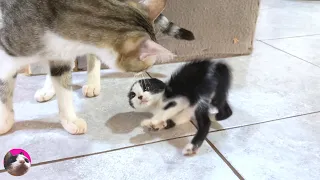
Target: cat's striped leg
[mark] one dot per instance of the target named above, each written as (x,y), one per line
(7,83)
(61,79)
(47,92)
(93,86)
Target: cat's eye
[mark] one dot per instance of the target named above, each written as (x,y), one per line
(132,95)
(26,160)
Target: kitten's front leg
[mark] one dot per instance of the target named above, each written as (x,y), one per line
(93,86)
(169,110)
(61,80)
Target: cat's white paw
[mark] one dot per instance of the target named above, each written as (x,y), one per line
(189,150)
(44,94)
(6,122)
(74,126)
(154,125)
(91,90)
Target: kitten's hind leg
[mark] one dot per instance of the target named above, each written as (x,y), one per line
(224,112)
(93,86)
(47,92)
(7,83)
(61,80)
(203,122)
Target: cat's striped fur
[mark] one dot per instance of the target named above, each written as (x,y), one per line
(162,24)
(57,31)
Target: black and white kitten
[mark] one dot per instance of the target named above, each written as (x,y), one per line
(190,92)
(17,165)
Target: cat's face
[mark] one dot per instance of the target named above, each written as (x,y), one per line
(17,165)
(145,93)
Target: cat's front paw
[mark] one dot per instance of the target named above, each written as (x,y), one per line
(189,150)
(6,122)
(154,125)
(44,94)
(91,90)
(74,126)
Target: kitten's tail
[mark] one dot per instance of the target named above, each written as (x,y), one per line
(169,28)
(222,73)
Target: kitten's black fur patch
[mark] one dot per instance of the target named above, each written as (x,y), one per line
(152,85)
(170,105)
(170,124)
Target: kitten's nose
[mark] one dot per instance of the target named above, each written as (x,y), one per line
(140,97)
(21,161)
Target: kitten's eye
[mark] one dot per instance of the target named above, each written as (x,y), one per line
(132,95)
(26,160)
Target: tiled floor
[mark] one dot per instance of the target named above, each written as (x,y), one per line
(274,132)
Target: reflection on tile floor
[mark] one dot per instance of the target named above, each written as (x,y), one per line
(259,141)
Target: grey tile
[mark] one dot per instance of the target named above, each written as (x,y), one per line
(289,19)
(111,124)
(285,149)
(267,85)
(155,161)
(268,4)
(306,47)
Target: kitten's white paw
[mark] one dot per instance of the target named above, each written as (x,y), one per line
(6,122)
(154,125)
(146,123)
(189,150)
(91,90)
(44,94)
(74,126)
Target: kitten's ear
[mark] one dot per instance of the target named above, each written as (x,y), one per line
(154,7)
(21,153)
(150,49)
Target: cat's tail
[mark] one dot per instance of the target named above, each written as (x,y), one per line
(169,28)
(222,74)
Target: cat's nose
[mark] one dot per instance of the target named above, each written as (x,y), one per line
(140,97)
(21,161)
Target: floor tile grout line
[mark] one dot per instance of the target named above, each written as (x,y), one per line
(264,122)
(288,53)
(225,160)
(289,37)
(102,152)
(221,156)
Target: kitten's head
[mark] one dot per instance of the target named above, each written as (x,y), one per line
(17,165)
(137,48)
(145,93)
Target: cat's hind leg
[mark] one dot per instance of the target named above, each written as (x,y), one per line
(203,123)
(93,86)
(47,92)
(61,79)
(7,82)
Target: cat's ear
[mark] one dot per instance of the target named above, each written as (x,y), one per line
(150,49)
(21,153)
(154,7)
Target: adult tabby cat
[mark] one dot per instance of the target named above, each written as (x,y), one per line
(58,31)
(93,86)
